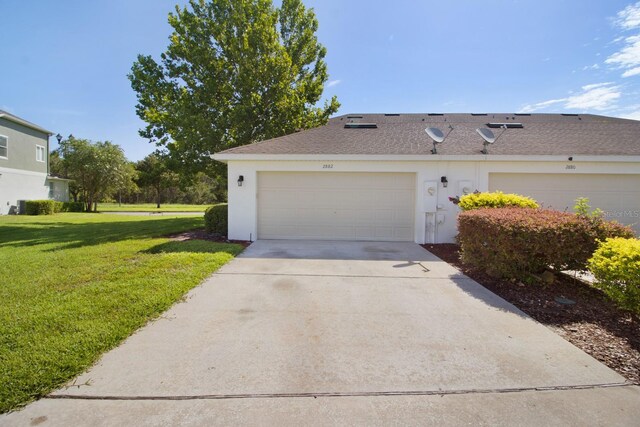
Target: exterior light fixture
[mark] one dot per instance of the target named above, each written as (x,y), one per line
(240,180)
(59,138)
(443,180)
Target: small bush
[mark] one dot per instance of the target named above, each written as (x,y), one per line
(495,200)
(41,207)
(72,206)
(517,242)
(616,267)
(215,219)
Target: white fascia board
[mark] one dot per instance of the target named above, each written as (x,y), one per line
(25,124)
(422,158)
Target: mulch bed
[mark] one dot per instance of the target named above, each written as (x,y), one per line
(201,234)
(593,324)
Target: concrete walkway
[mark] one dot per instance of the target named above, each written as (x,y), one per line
(335,333)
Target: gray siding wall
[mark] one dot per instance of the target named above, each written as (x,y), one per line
(22,147)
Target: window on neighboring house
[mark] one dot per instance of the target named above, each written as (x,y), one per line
(4,146)
(40,153)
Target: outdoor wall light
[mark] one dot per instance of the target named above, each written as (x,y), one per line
(443,180)
(240,180)
(59,138)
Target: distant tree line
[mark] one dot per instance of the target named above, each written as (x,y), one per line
(100,172)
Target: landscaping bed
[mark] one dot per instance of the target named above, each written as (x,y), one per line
(593,324)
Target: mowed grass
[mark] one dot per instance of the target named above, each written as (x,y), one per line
(76,285)
(150,207)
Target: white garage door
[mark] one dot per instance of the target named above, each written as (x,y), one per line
(336,206)
(617,195)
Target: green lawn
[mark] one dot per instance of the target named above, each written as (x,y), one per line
(150,207)
(76,285)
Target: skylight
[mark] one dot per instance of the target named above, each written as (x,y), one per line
(511,125)
(360,126)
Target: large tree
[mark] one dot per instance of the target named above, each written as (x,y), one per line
(153,171)
(235,72)
(99,169)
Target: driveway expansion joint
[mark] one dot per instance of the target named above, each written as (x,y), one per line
(346,394)
(457,277)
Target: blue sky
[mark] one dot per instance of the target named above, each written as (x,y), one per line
(65,62)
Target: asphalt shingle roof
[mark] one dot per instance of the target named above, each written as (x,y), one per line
(404,134)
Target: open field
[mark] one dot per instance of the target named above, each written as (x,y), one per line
(150,207)
(76,285)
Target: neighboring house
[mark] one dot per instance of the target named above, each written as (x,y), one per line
(24,165)
(374,176)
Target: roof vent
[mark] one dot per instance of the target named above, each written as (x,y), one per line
(478,114)
(435,114)
(521,114)
(511,125)
(570,114)
(392,115)
(354,117)
(360,126)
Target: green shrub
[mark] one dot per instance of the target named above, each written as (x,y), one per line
(517,242)
(215,219)
(616,267)
(41,207)
(495,200)
(72,206)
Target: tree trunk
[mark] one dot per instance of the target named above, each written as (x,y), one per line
(157,197)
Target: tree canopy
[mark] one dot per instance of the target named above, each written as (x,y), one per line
(98,169)
(153,172)
(235,72)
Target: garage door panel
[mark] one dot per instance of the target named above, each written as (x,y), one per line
(403,233)
(336,205)
(612,193)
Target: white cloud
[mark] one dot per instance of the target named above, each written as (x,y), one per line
(598,96)
(628,57)
(629,17)
(590,67)
(631,72)
(595,86)
(333,83)
(634,116)
(595,97)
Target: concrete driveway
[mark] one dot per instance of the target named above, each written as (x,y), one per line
(365,333)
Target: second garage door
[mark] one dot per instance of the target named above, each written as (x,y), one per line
(617,195)
(336,206)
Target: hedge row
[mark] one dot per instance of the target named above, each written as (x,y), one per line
(42,207)
(495,200)
(616,267)
(215,219)
(517,242)
(50,207)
